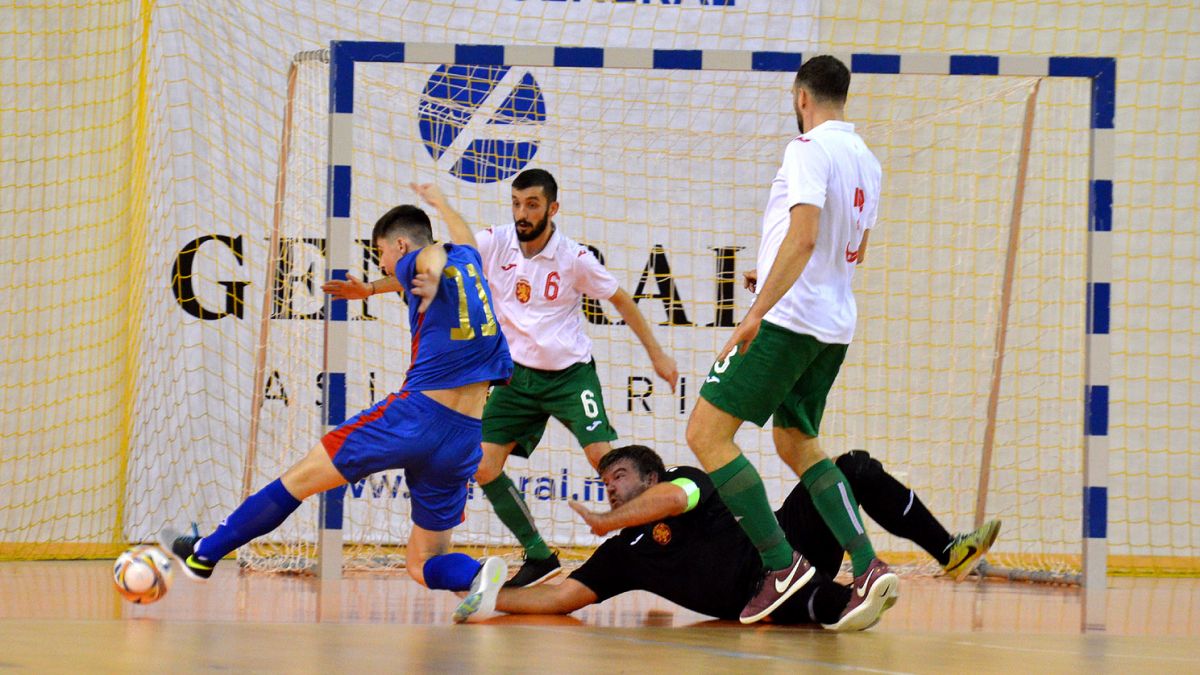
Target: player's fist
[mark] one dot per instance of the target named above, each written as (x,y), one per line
(431,193)
(750,280)
(350,289)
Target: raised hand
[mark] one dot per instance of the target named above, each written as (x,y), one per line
(431,193)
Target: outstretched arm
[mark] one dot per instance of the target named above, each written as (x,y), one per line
(562,598)
(661,500)
(460,233)
(794,254)
(663,365)
(354,289)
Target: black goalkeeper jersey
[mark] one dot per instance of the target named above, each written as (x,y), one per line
(701,560)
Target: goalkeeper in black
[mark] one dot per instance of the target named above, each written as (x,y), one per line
(677,540)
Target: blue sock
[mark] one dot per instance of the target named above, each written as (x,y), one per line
(264,511)
(451,572)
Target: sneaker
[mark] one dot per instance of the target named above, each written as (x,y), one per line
(776,587)
(873,592)
(534,572)
(480,602)
(182,547)
(967,549)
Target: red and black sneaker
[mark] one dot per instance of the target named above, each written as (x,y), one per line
(776,587)
(872,592)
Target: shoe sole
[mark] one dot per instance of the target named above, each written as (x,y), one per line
(796,586)
(887,604)
(166,540)
(467,607)
(883,594)
(542,579)
(477,604)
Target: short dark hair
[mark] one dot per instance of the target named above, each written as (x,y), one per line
(826,78)
(406,221)
(644,459)
(539,177)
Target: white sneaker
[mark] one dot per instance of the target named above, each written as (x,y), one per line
(480,603)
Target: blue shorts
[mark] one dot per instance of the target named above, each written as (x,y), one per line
(437,447)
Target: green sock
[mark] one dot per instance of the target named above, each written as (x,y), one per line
(835,502)
(742,490)
(513,512)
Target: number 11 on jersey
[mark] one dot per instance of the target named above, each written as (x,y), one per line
(465,330)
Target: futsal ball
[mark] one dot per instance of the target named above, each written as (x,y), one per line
(143,574)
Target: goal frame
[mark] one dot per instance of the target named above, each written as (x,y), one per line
(1100,71)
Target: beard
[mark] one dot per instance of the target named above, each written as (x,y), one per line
(535,232)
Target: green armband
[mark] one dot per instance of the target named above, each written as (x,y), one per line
(691,490)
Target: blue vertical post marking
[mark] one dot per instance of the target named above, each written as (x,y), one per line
(1095,513)
(1103,72)
(343,57)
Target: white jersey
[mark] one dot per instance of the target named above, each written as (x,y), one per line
(538,300)
(832,168)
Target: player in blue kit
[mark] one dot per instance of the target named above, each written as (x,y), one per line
(431,428)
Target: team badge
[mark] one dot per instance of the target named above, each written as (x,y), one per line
(661,534)
(523,290)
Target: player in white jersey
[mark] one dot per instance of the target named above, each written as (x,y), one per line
(785,354)
(538,278)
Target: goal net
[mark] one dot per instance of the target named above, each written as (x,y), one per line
(663,171)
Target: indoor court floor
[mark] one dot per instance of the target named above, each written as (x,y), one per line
(66,617)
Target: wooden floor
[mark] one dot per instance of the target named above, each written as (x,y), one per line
(65,617)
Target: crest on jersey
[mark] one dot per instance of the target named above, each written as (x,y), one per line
(661,534)
(523,290)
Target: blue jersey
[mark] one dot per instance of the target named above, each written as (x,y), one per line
(457,340)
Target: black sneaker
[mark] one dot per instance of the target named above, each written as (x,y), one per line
(182,547)
(534,572)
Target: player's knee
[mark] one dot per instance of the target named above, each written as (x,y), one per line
(698,435)
(859,467)
(416,570)
(487,472)
(491,464)
(484,476)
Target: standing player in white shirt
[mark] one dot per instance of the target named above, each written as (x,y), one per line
(784,356)
(538,278)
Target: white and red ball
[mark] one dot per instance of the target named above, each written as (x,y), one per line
(143,574)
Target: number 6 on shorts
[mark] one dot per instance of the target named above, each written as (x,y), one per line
(588,397)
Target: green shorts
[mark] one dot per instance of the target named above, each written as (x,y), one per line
(519,412)
(784,374)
